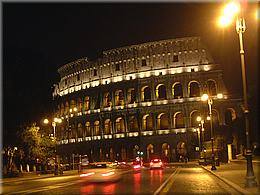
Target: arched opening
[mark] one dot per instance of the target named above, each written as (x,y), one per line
(149,151)
(211,87)
(72,104)
(120,126)
(79,104)
(88,131)
(86,103)
(147,122)
(119,98)
(146,94)
(67,107)
(111,154)
(230,115)
(107,100)
(62,109)
(177,90)
(80,131)
(193,118)
(179,120)
(215,117)
(108,129)
(123,154)
(194,89)
(181,150)
(96,128)
(131,96)
(161,92)
(165,152)
(162,121)
(133,124)
(73,131)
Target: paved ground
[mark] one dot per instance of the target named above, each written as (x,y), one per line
(234,174)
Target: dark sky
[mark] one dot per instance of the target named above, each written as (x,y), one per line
(39,38)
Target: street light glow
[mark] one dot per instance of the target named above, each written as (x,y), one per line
(198,118)
(46,121)
(220,96)
(231,9)
(224,21)
(204,97)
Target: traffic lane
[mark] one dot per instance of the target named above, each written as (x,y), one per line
(145,182)
(27,185)
(195,180)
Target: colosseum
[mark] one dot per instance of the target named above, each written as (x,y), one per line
(142,99)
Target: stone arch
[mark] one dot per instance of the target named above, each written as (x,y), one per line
(179,120)
(72,104)
(165,151)
(62,109)
(146,94)
(88,130)
(211,87)
(86,103)
(193,118)
(107,127)
(230,115)
(163,121)
(177,90)
(194,89)
(80,130)
(67,107)
(181,149)
(120,125)
(79,104)
(119,98)
(107,100)
(147,122)
(149,151)
(96,128)
(133,124)
(131,96)
(161,92)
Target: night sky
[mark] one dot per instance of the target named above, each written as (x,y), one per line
(39,38)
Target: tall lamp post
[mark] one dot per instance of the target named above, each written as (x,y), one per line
(201,126)
(230,11)
(54,124)
(206,97)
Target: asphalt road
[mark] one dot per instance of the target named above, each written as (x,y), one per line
(171,180)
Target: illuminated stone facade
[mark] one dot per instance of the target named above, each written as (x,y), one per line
(143,97)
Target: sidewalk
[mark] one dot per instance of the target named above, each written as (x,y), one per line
(234,174)
(33,175)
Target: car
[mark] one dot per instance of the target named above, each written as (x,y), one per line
(100,172)
(156,163)
(137,165)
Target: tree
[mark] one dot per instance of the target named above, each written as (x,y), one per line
(37,144)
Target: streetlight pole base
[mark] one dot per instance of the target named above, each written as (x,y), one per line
(213,168)
(250,182)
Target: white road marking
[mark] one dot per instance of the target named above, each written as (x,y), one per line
(166,181)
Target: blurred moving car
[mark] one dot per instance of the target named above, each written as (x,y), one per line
(156,163)
(137,164)
(100,172)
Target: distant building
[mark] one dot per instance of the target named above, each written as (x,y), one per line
(140,98)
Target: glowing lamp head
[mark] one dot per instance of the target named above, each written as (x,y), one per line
(224,21)
(231,9)
(204,97)
(75,109)
(46,121)
(198,119)
(220,96)
(208,118)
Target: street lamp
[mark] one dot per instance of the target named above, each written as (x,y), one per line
(54,124)
(240,28)
(201,126)
(206,97)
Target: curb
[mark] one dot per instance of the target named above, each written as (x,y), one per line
(233,185)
